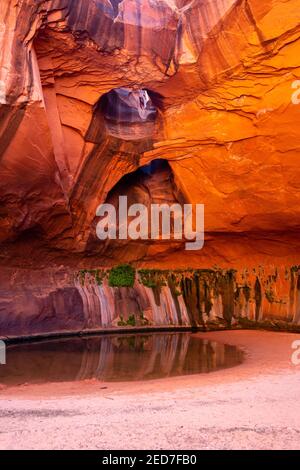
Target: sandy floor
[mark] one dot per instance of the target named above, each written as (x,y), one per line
(252,406)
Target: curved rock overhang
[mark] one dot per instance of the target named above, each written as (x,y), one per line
(224,70)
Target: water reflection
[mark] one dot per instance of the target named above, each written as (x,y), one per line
(116,358)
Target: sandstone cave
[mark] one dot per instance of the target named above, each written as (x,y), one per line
(162,101)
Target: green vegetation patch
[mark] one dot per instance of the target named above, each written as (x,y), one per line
(130,322)
(122,276)
(153,278)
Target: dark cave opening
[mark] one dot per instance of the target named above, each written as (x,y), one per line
(157,176)
(128,105)
(127,113)
(149,184)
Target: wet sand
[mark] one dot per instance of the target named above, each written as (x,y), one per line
(255,405)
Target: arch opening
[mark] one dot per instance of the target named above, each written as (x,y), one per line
(153,183)
(128,105)
(128,113)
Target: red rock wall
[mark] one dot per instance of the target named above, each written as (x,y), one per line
(57,301)
(227,126)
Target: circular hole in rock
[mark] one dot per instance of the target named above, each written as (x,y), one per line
(127,113)
(128,105)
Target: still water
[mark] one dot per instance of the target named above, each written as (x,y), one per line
(115,358)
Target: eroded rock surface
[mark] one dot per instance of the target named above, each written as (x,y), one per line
(59,301)
(222,76)
(227,126)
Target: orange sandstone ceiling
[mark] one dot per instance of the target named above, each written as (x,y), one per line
(225,73)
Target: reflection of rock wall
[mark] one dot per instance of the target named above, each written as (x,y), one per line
(34,302)
(222,73)
(115,358)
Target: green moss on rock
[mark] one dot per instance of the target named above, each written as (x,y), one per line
(122,276)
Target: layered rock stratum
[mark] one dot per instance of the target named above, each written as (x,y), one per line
(223,76)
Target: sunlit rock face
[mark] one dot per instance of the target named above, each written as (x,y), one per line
(219,76)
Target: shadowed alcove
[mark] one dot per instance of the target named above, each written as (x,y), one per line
(126,113)
(152,183)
